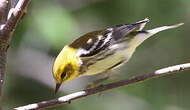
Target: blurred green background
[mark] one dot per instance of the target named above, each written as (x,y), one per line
(51,24)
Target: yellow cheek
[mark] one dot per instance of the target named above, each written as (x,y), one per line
(71,76)
(66,56)
(57,78)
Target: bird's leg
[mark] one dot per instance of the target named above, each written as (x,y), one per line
(96,82)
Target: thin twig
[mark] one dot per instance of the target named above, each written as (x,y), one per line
(84,93)
(8,21)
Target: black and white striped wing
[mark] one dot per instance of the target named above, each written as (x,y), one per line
(94,42)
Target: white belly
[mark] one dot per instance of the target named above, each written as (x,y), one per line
(105,64)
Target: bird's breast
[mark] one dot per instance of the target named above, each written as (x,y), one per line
(108,60)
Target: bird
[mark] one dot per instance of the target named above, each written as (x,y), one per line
(101,51)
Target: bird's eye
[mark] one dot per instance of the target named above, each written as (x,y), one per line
(63,75)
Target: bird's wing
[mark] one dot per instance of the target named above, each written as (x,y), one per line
(120,31)
(92,43)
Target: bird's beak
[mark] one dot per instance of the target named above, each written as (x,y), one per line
(57,87)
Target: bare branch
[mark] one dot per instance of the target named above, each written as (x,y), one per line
(84,93)
(8,20)
(4,7)
(14,17)
(3,57)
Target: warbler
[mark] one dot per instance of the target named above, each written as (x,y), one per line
(101,51)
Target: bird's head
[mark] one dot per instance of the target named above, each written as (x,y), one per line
(66,66)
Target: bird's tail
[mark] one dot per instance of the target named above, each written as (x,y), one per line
(143,35)
(156,30)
